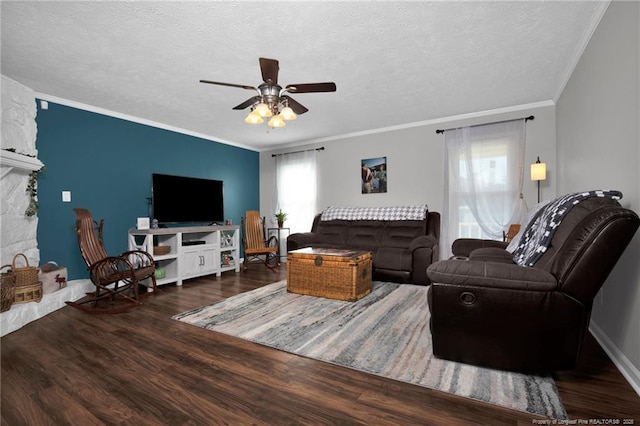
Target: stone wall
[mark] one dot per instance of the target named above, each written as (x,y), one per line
(17,231)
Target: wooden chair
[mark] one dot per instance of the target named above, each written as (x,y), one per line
(116,277)
(511,232)
(255,243)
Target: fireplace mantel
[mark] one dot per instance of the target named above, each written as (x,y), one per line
(11,160)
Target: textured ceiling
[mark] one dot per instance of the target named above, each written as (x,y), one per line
(394,63)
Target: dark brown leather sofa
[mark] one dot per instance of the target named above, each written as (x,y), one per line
(490,311)
(402,249)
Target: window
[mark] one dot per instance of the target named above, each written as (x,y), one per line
(484,172)
(296,189)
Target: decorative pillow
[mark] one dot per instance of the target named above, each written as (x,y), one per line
(537,237)
(375,213)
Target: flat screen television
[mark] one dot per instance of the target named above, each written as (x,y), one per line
(181,199)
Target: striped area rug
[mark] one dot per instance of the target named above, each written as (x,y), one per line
(385,333)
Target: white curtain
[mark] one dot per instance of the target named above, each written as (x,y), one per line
(295,189)
(484,172)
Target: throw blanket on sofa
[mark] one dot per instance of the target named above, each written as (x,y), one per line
(537,237)
(375,213)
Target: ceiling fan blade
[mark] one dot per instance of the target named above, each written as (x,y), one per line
(270,70)
(297,107)
(241,86)
(311,87)
(247,103)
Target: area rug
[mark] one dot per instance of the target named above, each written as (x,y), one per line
(386,333)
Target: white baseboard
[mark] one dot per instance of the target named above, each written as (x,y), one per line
(21,314)
(628,370)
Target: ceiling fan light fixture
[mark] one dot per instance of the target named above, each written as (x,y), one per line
(288,114)
(253,118)
(263,110)
(270,99)
(276,121)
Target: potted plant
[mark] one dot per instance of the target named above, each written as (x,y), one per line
(281,217)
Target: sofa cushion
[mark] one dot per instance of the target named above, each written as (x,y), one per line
(364,234)
(490,274)
(334,233)
(395,259)
(400,234)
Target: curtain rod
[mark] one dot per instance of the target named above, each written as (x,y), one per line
(297,152)
(531,117)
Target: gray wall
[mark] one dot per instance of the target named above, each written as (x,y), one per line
(415,162)
(598,139)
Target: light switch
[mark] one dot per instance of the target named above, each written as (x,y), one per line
(66,196)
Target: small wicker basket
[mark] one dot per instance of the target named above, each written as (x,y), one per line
(7,283)
(161,250)
(25,275)
(28,293)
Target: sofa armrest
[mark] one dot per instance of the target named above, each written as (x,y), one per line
(300,240)
(492,275)
(464,246)
(423,241)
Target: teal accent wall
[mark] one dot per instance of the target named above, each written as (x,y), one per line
(107,163)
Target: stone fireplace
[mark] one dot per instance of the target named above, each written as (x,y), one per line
(18,231)
(18,134)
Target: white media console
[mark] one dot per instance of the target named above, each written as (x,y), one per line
(193,251)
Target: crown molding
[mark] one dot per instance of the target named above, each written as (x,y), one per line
(434,122)
(109,113)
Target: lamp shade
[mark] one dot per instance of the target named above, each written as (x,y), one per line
(538,171)
(263,110)
(253,118)
(276,121)
(288,114)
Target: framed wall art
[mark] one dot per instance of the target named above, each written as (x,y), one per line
(374,175)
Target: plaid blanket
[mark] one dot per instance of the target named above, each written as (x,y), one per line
(375,213)
(536,238)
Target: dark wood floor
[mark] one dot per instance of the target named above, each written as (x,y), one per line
(143,368)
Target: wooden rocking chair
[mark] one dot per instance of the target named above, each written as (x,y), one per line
(512,232)
(255,243)
(116,277)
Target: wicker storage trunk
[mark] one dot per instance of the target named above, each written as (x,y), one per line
(334,274)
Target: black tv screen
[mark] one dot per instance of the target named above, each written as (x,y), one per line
(181,199)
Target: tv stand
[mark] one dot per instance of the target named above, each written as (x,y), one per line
(194,251)
(193,242)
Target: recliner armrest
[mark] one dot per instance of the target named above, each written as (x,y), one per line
(464,246)
(490,274)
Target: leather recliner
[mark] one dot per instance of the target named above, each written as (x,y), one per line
(490,311)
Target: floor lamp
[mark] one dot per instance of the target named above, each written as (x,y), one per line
(538,173)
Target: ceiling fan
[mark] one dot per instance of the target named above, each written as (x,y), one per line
(271,100)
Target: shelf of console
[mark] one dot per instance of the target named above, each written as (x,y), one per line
(192,251)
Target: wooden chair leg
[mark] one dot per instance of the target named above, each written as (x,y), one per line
(154,284)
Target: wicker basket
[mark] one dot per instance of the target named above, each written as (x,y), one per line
(25,275)
(7,292)
(28,293)
(161,250)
